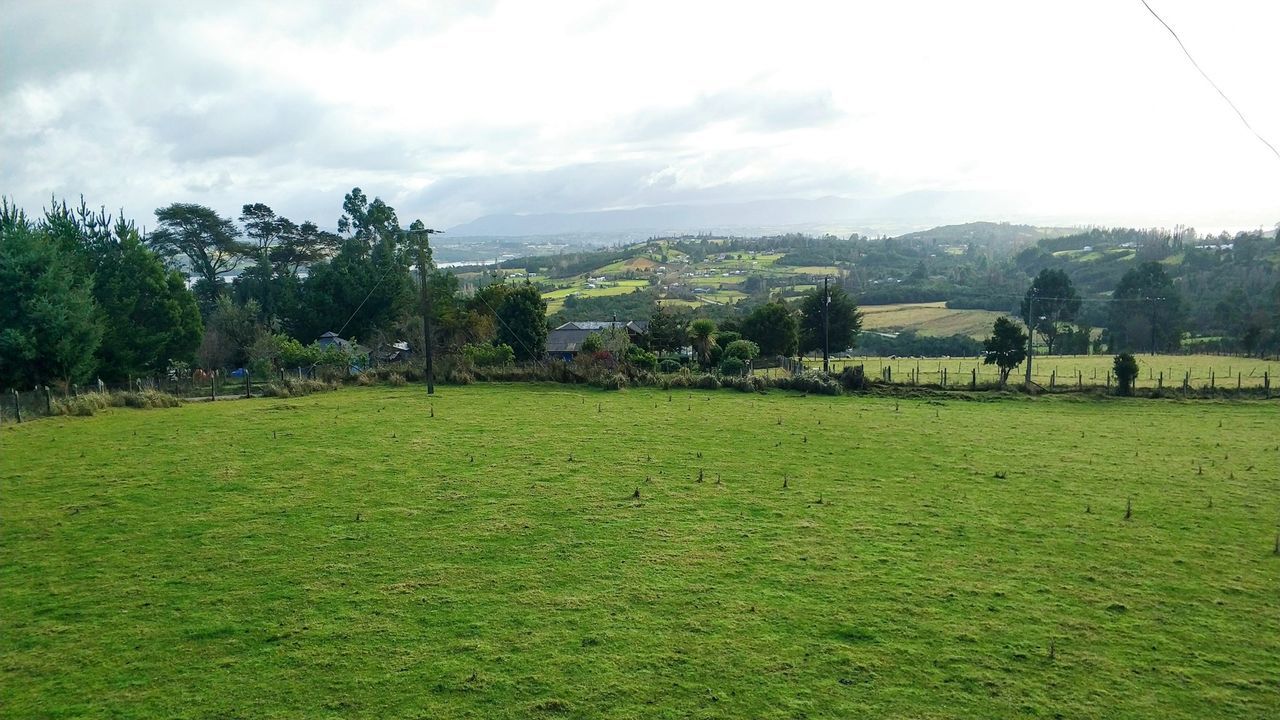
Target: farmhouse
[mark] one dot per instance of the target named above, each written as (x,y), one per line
(564,342)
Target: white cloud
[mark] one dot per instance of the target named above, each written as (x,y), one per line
(1082,112)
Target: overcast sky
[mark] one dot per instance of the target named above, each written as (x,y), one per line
(1078,112)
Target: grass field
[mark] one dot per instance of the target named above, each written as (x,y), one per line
(370,553)
(928,319)
(1090,370)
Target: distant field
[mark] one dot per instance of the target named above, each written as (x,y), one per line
(550,551)
(928,319)
(1222,371)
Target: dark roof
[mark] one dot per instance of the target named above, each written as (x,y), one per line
(566,339)
(330,334)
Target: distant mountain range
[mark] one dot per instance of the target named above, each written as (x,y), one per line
(879,216)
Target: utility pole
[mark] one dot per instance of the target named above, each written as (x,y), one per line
(428,332)
(1153,324)
(1031,333)
(826,328)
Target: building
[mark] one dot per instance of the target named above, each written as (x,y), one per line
(331,339)
(565,342)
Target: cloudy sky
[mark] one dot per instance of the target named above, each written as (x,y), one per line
(1078,112)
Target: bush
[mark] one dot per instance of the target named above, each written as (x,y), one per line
(732,366)
(458,376)
(707,382)
(669,365)
(742,349)
(611,381)
(1126,369)
(640,358)
(147,399)
(485,355)
(396,379)
(809,381)
(853,377)
(746,383)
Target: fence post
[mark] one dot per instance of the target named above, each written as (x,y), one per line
(17,406)
(1239,380)
(973,381)
(48,401)
(246,382)
(1266,385)
(1079,379)
(1212,379)
(1108,379)
(1161,383)
(1053,379)
(213,385)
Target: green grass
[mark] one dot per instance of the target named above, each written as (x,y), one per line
(347,555)
(1154,371)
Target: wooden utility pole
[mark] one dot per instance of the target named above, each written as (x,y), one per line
(1031,333)
(428,332)
(826,328)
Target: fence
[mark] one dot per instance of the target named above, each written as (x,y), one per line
(22,405)
(1070,372)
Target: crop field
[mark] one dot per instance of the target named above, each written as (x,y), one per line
(551,551)
(928,319)
(1167,371)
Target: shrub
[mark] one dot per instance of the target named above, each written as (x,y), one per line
(732,365)
(485,355)
(669,365)
(707,382)
(458,376)
(742,349)
(640,358)
(1126,369)
(396,379)
(809,381)
(611,381)
(853,377)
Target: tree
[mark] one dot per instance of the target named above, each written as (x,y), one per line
(1126,369)
(667,330)
(209,243)
(371,223)
(1054,301)
(773,327)
(1145,311)
(842,328)
(49,328)
(367,292)
(702,337)
(742,349)
(232,331)
(149,317)
(1006,348)
(522,322)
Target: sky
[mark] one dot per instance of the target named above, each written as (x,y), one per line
(1081,112)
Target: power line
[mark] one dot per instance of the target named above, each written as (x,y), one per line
(1205,75)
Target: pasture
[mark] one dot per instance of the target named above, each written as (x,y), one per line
(1167,371)
(552,551)
(928,319)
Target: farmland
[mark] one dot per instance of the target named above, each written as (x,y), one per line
(518,551)
(928,319)
(1167,371)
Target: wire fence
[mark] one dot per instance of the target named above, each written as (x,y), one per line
(20,405)
(1065,372)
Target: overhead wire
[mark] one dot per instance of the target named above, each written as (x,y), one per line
(1205,75)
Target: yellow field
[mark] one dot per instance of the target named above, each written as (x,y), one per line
(928,319)
(1154,370)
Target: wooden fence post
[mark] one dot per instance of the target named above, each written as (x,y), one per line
(1108,379)
(48,401)
(246,382)
(973,381)
(213,385)
(17,406)
(1266,385)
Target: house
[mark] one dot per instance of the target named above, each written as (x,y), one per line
(331,339)
(564,342)
(394,352)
